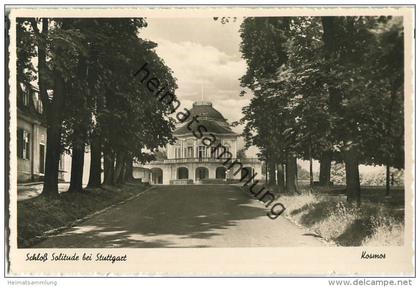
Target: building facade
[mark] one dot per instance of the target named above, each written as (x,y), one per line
(31,137)
(189,160)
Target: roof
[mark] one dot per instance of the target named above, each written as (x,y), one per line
(206,110)
(209,117)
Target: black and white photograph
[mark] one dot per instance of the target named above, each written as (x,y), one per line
(202,129)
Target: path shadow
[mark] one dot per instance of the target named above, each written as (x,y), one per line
(312,234)
(164,216)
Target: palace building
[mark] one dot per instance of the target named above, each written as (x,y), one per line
(190,161)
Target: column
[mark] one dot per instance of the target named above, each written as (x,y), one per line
(182,149)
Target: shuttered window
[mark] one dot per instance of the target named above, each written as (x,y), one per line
(23,144)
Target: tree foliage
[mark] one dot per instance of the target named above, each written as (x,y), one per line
(325,84)
(88,72)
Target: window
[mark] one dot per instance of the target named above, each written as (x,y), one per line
(61,163)
(23,144)
(25,99)
(24,95)
(201,173)
(202,152)
(19,143)
(190,152)
(227,150)
(41,158)
(214,152)
(178,152)
(208,152)
(222,152)
(37,103)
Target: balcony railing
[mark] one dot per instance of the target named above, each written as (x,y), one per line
(207,159)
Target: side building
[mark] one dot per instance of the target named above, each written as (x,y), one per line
(31,137)
(190,161)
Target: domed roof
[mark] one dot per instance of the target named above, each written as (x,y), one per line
(209,117)
(205,110)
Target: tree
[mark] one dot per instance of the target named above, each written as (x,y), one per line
(135,121)
(390,73)
(325,83)
(261,128)
(53,45)
(25,68)
(51,76)
(241,154)
(90,97)
(357,93)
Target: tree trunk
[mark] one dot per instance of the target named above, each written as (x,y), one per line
(42,62)
(119,166)
(95,170)
(352,176)
(77,164)
(52,160)
(109,160)
(325,169)
(389,138)
(291,175)
(388,177)
(129,170)
(311,173)
(280,177)
(54,121)
(311,168)
(266,172)
(329,38)
(121,179)
(271,172)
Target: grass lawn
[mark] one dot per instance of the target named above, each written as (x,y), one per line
(39,215)
(379,221)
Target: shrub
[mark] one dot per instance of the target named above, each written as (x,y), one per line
(337,220)
(387,232)
(345,224)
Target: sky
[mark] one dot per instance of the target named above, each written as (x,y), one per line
(205,58)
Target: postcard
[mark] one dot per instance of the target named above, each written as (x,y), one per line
(210,141)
